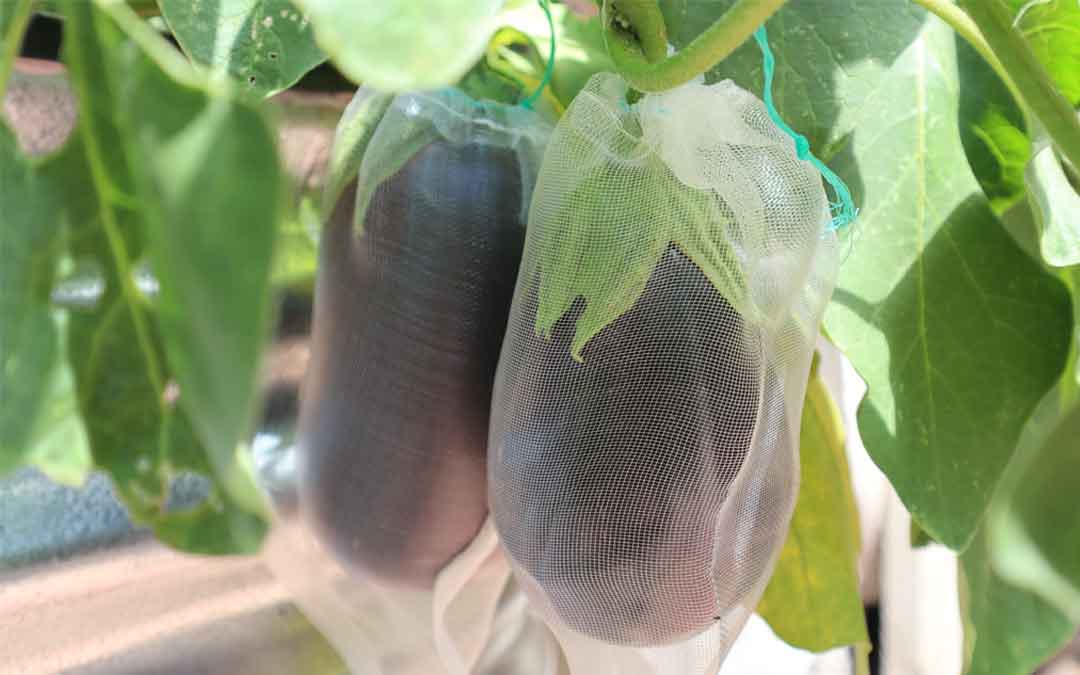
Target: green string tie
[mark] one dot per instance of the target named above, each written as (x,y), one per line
(843,210)
(550,68)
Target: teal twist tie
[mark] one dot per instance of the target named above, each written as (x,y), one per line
(550,68)
(843,210)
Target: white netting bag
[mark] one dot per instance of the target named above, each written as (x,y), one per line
(415,280)
(385,545)
(643,456)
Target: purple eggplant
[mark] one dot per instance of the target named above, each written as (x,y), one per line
(410,312)
(610,473)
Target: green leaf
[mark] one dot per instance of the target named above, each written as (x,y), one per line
(162,174)
(400,45)
(992,129)
(1007,630)
(812,600)
(957,332)
(354,131)
(1033,531)
(267,45)
(38,418)
(1052,28)
(14,17)
(992,124)
(1036,533)
(1056,207)
(827,69)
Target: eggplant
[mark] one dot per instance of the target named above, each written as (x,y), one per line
(608,475)
(410,312)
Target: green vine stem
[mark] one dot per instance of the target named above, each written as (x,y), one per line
(644,20)
(627,44)
(1038,93)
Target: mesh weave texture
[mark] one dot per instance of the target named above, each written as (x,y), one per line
(643,483)
(414,286)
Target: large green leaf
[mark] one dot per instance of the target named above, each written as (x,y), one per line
(162,174)
(39,421)
(267,45)
(956,331)
(992,129)
(1007,630)
(812,600)
(398,45)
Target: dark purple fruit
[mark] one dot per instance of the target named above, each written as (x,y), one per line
(611,473)
(409,316)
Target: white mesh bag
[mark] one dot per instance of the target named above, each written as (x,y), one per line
(643,455)
(416,272)
(383,540)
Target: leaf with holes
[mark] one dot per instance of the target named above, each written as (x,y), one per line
(266,45)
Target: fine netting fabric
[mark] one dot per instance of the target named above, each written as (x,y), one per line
(417,266)
(643,455)
(386,548)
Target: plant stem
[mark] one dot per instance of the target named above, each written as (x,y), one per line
(648,23)
(960,22)
(1037,90)
(705,51)
(11,39)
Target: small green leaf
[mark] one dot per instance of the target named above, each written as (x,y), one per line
(1056,206)
(39,421)
(1008,631)
(354,131)
(266,45)
(400,45)
(812,600)
(582,255)
(163,178)
(992,129)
